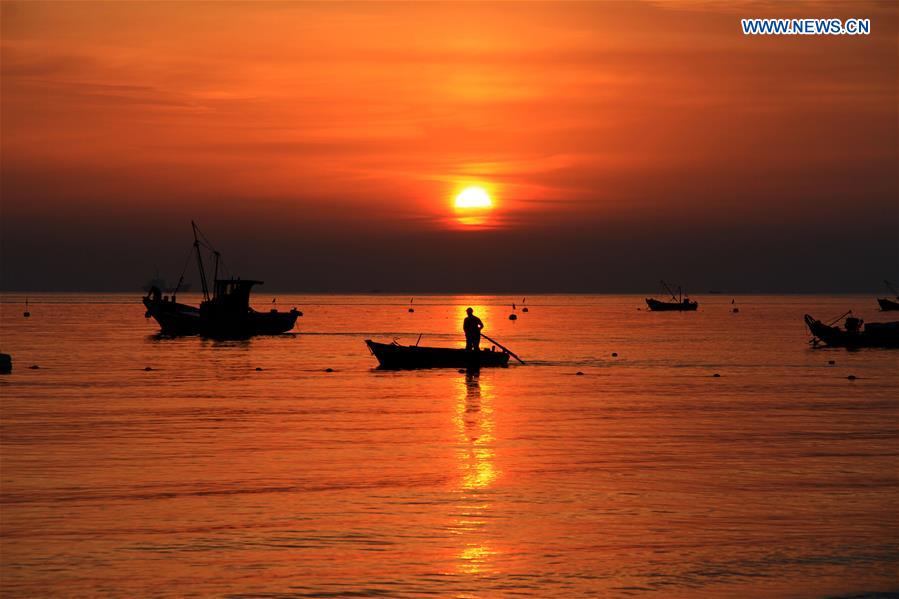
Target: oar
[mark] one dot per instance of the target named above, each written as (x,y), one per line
(502,347)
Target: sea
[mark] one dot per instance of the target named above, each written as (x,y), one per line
(634,454)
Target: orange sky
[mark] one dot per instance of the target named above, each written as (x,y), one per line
(352,116)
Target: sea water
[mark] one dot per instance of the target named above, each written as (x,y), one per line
(133,465)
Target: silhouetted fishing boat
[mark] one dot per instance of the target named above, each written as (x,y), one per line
(226,313)
(393,356)
(678,303)
(888,304)
(854,333)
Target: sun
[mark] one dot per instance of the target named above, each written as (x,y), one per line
(473,198)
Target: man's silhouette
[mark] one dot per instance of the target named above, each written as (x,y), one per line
(472,326)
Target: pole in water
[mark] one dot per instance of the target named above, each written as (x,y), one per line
(411,309)
(524,307)
(26,313)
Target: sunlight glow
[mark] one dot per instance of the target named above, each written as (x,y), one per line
(473,197)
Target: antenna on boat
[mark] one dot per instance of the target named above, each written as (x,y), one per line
(203,282)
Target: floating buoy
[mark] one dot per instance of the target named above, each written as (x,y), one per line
(329,370)
(851,377)
(411,309)
(26,313)
(146,368)
(579,373)
(735,310)
(831,362)
(513,316)
(258,369)
(614,354)
(524,309)
(33,367)
(716,376)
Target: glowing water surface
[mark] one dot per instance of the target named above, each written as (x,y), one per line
(644,476)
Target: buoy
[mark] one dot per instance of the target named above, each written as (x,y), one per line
(735,310)
(34,367)
(411,309)
(831,362)
(462,371)
(513,317)
(525,309)
(716,375)
(26,313)
(5,363)
(147,368)
(329,370)
(258,369)
(614,354)
(579,373)
(851,377)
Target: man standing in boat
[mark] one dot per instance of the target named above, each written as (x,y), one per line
(472,326)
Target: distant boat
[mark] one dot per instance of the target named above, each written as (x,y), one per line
(854,333)
(888,304)
(165,287)
(393,356)
(226,313)
(679,302)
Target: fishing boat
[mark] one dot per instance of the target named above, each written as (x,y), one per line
(854,333)
(679,302)
(393,356)
(889,304)
(224,313)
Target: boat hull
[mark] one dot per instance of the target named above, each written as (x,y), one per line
(874,334)
(659,306)
(174,319)
(392,356)
(179,320)
(887,305)
(254,323)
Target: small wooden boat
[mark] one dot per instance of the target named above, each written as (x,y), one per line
(679,302)
(854,333)
(889,304)
(393,356)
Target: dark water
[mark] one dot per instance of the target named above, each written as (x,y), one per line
(646,476)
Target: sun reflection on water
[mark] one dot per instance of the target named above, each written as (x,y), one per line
(474,422)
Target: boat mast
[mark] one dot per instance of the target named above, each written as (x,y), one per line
(671,293)
(203,282)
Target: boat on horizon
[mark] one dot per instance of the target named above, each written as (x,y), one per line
(394,356)
(888,304)
(854,333)
(225,313)
(160,283)
(679,302)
